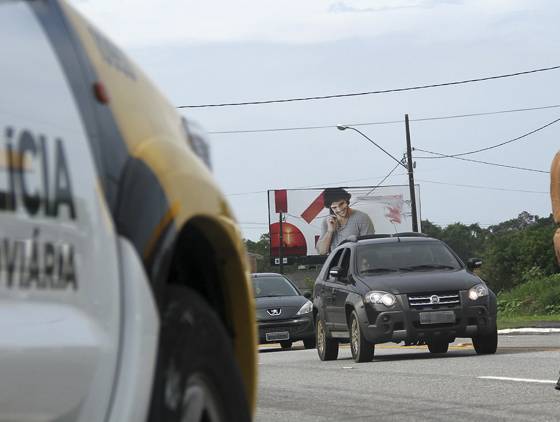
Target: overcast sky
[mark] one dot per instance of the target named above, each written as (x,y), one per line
(214,51)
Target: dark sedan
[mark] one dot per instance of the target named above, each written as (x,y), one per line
(284,315)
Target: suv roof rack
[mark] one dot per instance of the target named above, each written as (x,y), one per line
(354,238)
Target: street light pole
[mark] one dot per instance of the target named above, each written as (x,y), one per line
(344,127)
(409,166)
(411,177)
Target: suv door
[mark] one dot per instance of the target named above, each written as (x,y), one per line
(328,291)
(342,288)
(59,279)
(325,290)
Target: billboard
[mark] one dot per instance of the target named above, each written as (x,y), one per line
(314,221)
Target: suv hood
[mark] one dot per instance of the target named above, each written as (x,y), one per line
(421,281)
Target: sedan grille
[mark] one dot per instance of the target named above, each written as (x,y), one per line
(434,300)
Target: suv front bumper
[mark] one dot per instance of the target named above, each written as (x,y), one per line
(472,318)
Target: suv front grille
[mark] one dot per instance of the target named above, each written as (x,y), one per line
(428,300)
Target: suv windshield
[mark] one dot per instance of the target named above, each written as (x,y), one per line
(272,286)
(381,258)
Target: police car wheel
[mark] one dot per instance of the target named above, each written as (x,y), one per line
(196,377)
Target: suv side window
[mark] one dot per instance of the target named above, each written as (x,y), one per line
(333,262)
(345,262)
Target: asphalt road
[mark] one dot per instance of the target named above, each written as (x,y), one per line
(410,384)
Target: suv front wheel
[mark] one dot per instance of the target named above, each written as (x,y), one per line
(362,350)
(486,344)
(438,346)
(327,348)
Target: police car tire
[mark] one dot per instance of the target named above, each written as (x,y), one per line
(196,376)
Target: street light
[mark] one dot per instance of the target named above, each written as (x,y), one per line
(409,166)
(344,127)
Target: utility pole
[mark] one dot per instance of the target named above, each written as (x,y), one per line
(411,176)
(281,246)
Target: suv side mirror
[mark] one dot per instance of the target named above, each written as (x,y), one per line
(335,272)
(473,263)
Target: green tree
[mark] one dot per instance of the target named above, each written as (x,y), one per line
(466,241)
(262,248)
(516,248)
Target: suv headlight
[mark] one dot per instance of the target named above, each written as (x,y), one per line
(383,298)
(478,291)
(306,308)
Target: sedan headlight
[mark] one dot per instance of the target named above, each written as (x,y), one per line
(306,308)
(478,291)
(383,298)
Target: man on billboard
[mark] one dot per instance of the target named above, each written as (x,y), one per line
(342,222)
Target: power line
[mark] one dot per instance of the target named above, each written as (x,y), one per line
(383,91)
(496,145)
(386,122)
(481,187)
(339,183)
(484,162)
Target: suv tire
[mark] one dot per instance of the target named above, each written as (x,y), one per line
(486,344)
(362,350)
(327,347)
(286,344)
(438,346)
(196,377)
(309,343)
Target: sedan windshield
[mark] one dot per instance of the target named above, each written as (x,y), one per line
(272,286)
(410,256)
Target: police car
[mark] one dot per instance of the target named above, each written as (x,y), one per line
(124,294)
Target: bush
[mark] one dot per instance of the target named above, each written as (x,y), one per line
(539,296)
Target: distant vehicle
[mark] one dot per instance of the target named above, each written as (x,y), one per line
(284,315)
(405,287)
(124,288)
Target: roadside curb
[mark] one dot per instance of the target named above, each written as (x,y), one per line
(529,330)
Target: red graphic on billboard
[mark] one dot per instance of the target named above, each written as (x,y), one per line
(314,209)
(281,201)
(293,239)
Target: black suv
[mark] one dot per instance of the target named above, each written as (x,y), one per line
(402,287)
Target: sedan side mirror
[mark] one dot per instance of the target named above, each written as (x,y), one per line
(307,294)
(473,263)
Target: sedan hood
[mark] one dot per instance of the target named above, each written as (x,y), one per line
(421,281)
(284,307)
(267,302)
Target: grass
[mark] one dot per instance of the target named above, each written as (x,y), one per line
(521,321)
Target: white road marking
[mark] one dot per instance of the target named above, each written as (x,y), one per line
(529,330)
(519,380)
